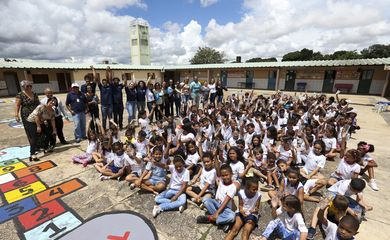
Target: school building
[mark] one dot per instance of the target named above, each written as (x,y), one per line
(359,76)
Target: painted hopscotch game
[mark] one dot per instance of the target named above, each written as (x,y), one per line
(39,213)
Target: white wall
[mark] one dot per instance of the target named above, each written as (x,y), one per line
(377,86)
(261,83)
(311,85)
(354,82)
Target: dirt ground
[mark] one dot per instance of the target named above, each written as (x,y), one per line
(98,197)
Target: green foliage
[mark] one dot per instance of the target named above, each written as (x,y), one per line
(376,51)
(272,59)
(303,55)
(206,55)
(342,55)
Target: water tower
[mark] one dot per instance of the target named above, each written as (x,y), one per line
(139,42)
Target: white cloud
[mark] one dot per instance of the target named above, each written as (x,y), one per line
(90,30)
(206,3)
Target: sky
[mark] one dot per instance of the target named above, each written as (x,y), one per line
(95,30)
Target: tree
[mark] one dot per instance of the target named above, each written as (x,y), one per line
(343,55)
(206,55)
(259,59)
(376,51)
(303,55)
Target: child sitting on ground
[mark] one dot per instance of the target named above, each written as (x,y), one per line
(174,197)
(348,167)
(220,208)
(368,163)
(248,211)
(93,146)
(116,163)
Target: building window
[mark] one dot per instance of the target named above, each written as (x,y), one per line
(40,78)
(144,42)
(134,42)
(151,75)
(126,76)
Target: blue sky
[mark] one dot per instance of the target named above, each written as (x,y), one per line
(182,12)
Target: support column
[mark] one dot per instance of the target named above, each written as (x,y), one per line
(277,80)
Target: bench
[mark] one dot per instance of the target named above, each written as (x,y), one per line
(343,87)
(381,106)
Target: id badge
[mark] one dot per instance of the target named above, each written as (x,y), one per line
(78,100)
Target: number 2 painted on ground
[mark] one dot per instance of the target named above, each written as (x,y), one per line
(44,213)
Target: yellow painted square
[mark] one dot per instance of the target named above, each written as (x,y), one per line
(12,168)
(24,192)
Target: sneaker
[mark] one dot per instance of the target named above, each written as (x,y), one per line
(202,219)
(226,228)
(192,199)
(102,178)
(372,184)
(181,209)
(78,140)
(270,187)
(132,186)
(300,165)
(261,180)
(64,142)
(202,206)
(311,233)
(85,163)
(156,210)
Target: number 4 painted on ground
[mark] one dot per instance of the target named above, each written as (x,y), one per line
(124,237)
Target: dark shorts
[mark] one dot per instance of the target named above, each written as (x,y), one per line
(247,218)
(114,169)
(197,190)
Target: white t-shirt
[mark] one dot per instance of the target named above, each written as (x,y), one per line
(237,168)
(135,167)
(330,143)
(346,171)
(249,203)
(144,124)
(141,147)
(212,88)
(292,190)
(331,231)
(284,154)
(342,188)
(248,139)
(292,223)
(225,190)
(92,147)
(177,178)
(119,161)
(313,161)
(149,96)
(192,159)
(208,177)
(188,137)
(281,121)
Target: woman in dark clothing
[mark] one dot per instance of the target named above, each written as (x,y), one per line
(141,92)
(131,103)
(220,90)
(169,107)
(93,102)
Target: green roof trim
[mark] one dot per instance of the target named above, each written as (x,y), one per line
(80,66)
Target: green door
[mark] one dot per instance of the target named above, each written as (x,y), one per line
(329,77)
(224,76)
(271,80)
(365,81)
(249,79)
(290,80)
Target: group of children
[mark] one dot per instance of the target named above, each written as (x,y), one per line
(218,157)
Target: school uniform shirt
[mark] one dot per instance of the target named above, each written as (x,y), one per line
(226,132)
(237,168)
(346,171)
(224,191)
(92,146)
(177,178)
(281,121)
(292,190)
(342,188)
(212,88)
(366,158)
(149,96)
(292,223)
(331,231)
(119,161)
(248,139)
(192,159)
(135,167)
(313,161)
(249,203)
(144,124)
(141,147)
(187,137)
(268,142)
(330,143)
(209,131)
(209,177)
(232,142)
(157,172)
(284,154)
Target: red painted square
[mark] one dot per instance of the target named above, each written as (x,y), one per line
(40,214)
(17,183)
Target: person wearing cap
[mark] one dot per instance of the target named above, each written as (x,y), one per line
(26,102)
(76,102)
(59,111)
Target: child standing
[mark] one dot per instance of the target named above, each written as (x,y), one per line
(248,210)
(220,208)
(174,197)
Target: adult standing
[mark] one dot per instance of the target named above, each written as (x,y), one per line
(59,112)
(169,103)
(159,98)
(117,98)
(205,91)
(195,86)
(141,95)
(89,82)
(93,102)
(177,98)
(131,103)
(35,125)
(105,87)
(76,102)
(220,90)
(213,90)
(185,94)
(25,103)
(150,98)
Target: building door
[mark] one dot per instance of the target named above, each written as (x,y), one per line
(61,82)
(365,81)
(329,78)
(11,79)
(290,80)
(169,75)
(224,75)
(249,79)
(272,79)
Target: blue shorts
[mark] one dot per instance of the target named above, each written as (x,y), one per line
(247,218)
(154,181)
(114,169)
